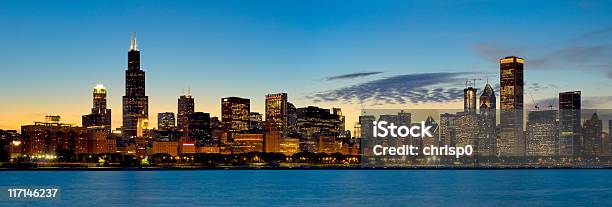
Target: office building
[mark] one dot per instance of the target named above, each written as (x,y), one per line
(542,133)
(235,115)
(165,121)
(135,102)
(100,116)
(593,143)
(512,140)
(570,136)
(276,111)
(185,109)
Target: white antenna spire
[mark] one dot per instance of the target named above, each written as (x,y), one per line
(133,43)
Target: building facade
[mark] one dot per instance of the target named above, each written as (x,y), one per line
(276,111)
(135,102)
(185,109)
(570,136)
(235,115)
(165,121)
(100,116)
(512,139)
(542,133)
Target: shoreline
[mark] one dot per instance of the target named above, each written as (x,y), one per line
(302,168)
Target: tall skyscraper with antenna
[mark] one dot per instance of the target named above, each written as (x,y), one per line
(135,102)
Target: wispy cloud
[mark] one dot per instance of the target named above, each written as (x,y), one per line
(591,50)
(493,52)
(587,102)
(580,57)
(401,89)
(602,33)
(352,75)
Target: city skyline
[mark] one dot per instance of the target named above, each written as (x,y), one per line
(190,57)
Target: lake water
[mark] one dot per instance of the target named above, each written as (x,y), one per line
(561,187)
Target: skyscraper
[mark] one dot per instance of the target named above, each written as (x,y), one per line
(512,140)
(488,136)
(338,111)
(185,108)
(100,116)
(542,133)
(276,111)
(291,119)
(235,115)
(312,120)
(570,138)
(165,121)
(135,102)
(469,99)
(447,130)
(257,124)
(199,128)
(487,100)
(592,136)
(366,122)
(466,129)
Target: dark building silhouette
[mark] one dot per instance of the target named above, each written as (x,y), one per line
(135,102)
(100,116)
(593,144)
(338,111)
(291,120)
(512,140)
(570,138)
(314,122)
(185,108)
(313,119)
(199,128)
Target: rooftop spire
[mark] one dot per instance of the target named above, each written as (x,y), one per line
(133,43)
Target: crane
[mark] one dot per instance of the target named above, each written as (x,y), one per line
(552,102)
(535,105)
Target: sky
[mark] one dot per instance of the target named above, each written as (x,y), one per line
(347,54)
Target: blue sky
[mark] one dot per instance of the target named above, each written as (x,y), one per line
(53,52)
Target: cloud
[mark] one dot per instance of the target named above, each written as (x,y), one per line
(590,50)
(536,87)
(603,33)
(352,75)
(578,57)
(492,52)
(401,89)
(599,102)
(587,102)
